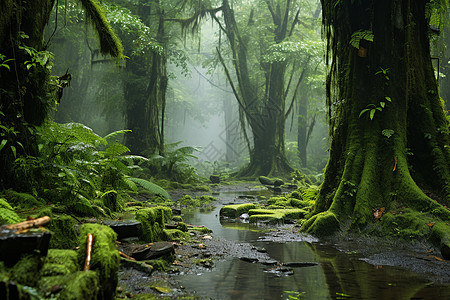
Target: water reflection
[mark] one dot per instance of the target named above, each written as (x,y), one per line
(337,276)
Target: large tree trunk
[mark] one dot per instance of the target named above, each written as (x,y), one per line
(369,169)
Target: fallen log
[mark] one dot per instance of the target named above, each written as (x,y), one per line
(29,224)
(89,243)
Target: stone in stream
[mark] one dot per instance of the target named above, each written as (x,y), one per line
(125,228)
(249,259)
(214,178)
(300,264)
(445,251)
(158,249)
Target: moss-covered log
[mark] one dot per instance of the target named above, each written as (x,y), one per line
(390,139)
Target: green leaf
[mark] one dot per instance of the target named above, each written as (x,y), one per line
(151,187)
(2,144)
(387,132)
(388,98)
(372,113)
(363,111)
(382,104)
(13,149)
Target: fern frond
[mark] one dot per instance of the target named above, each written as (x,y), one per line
(116,133)
(151,187)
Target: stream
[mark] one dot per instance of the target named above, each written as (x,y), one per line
(306,268)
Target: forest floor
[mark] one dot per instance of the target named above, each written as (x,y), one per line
(200,255)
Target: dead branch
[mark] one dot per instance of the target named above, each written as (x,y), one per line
(126,256)
(29,224)
(89,244)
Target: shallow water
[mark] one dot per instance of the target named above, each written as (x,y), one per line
(338,275)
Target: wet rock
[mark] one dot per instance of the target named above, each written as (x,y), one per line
(300,264)
(214,178)
(268,262)
(249,259)
(281,271)
(176,211)
(158,249)
(244,216)
(445,251)
(139,266)
(13,245)
(125,229)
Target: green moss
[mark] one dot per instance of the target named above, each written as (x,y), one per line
(322,224)
(105,257)
(60,262)
(64,235)
(22,200)
(204,230)
(275,216)
(158,264)
(176,235)
(440,234)
(153,220)
(8,216)
(235,210)
(301,203)
(177,219)
(75,286)
(182,226)
(26,270)
(407,225)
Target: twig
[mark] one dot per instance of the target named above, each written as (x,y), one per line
(126,256)
(89,243)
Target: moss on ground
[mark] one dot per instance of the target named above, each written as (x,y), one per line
(73,286)
(190,202)
(235,210)
(153,220)
(60,262)
(322,224)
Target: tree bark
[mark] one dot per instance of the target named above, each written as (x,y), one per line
(360,175)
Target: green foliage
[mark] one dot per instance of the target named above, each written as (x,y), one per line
(4,62)
(151,187)
(359,35)
(173,164)
(372,108)
(388,132)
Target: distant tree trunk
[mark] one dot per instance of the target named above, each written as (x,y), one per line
(146,93)
(369,166)
(302,128)
(445,65)
(266,115)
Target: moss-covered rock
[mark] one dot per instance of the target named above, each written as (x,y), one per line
(235,210)
(275,216)
(322,224)
(64,235)
(60,262)
(105,257)
(153,220)
(72,286)
(188,201)
(176,235)
(26,271)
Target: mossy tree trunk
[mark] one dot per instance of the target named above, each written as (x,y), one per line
(146,93)
(24,94)
(369,165)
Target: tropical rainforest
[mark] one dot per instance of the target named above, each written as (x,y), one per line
(134,110)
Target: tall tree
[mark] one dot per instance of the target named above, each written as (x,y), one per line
(384,105)
(261,87)
(26,90)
